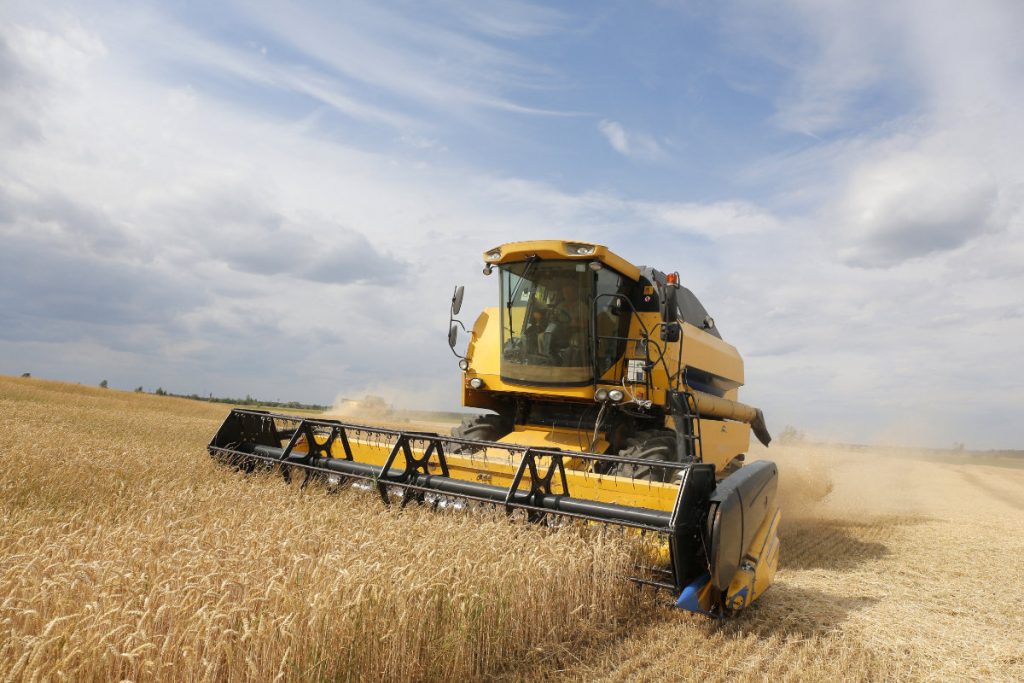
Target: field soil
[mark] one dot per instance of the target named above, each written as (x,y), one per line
(125,553)
(890,569)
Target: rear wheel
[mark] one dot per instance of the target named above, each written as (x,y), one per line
(653,445)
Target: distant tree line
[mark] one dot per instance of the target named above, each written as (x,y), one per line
(247,401)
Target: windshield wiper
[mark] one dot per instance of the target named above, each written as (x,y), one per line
(512,295)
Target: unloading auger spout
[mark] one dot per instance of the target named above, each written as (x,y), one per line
(722,408)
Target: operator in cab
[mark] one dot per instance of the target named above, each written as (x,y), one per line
(565,336)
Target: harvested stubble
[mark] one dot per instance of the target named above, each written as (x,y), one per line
(892,569)
(125,553)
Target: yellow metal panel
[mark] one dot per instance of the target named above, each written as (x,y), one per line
(708,352)
(484,347)
(767,556)
(698,350)
(553,437)
(760,563)
(498,467)
(721,441)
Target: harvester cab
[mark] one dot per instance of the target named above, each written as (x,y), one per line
(611,398)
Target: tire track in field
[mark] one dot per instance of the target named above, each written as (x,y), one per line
(797,631)
(840,543)
(1015,501)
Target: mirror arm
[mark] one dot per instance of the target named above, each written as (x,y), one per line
(453,325)
(453,321)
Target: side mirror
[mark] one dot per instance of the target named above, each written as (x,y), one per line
(453,335)
(457,301)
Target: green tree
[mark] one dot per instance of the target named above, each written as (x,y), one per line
(103,384)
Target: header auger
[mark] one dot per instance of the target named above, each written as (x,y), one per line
(612,400)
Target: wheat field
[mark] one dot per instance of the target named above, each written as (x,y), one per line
(126,554)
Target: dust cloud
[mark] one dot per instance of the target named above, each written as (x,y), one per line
(376,410)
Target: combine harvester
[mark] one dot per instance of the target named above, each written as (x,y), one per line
(613,400)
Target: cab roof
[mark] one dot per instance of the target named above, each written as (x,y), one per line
(512,252)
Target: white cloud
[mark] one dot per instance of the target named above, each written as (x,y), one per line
(219,221)
(183,47)
(911,204)
(902,281)
(426,64)
(944,177)
(273,243)
(635,145)
(716,220)
(505,18)
(844,61)
(616,135)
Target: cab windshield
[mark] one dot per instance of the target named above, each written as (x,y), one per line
(548,321)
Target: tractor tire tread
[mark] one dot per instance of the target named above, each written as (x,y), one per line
(481,428)
(656,445)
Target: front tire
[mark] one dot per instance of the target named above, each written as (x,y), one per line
(481,428)
(654,445)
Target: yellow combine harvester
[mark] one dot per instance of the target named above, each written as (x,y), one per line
(612,399)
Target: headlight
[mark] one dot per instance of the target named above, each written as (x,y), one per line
(464,364)
(476,383)
(580,249)
(494,255)
(616,395)
(601,395)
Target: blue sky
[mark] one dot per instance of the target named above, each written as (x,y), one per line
(276,198)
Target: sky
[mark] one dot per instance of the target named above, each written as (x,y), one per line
(276,199)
